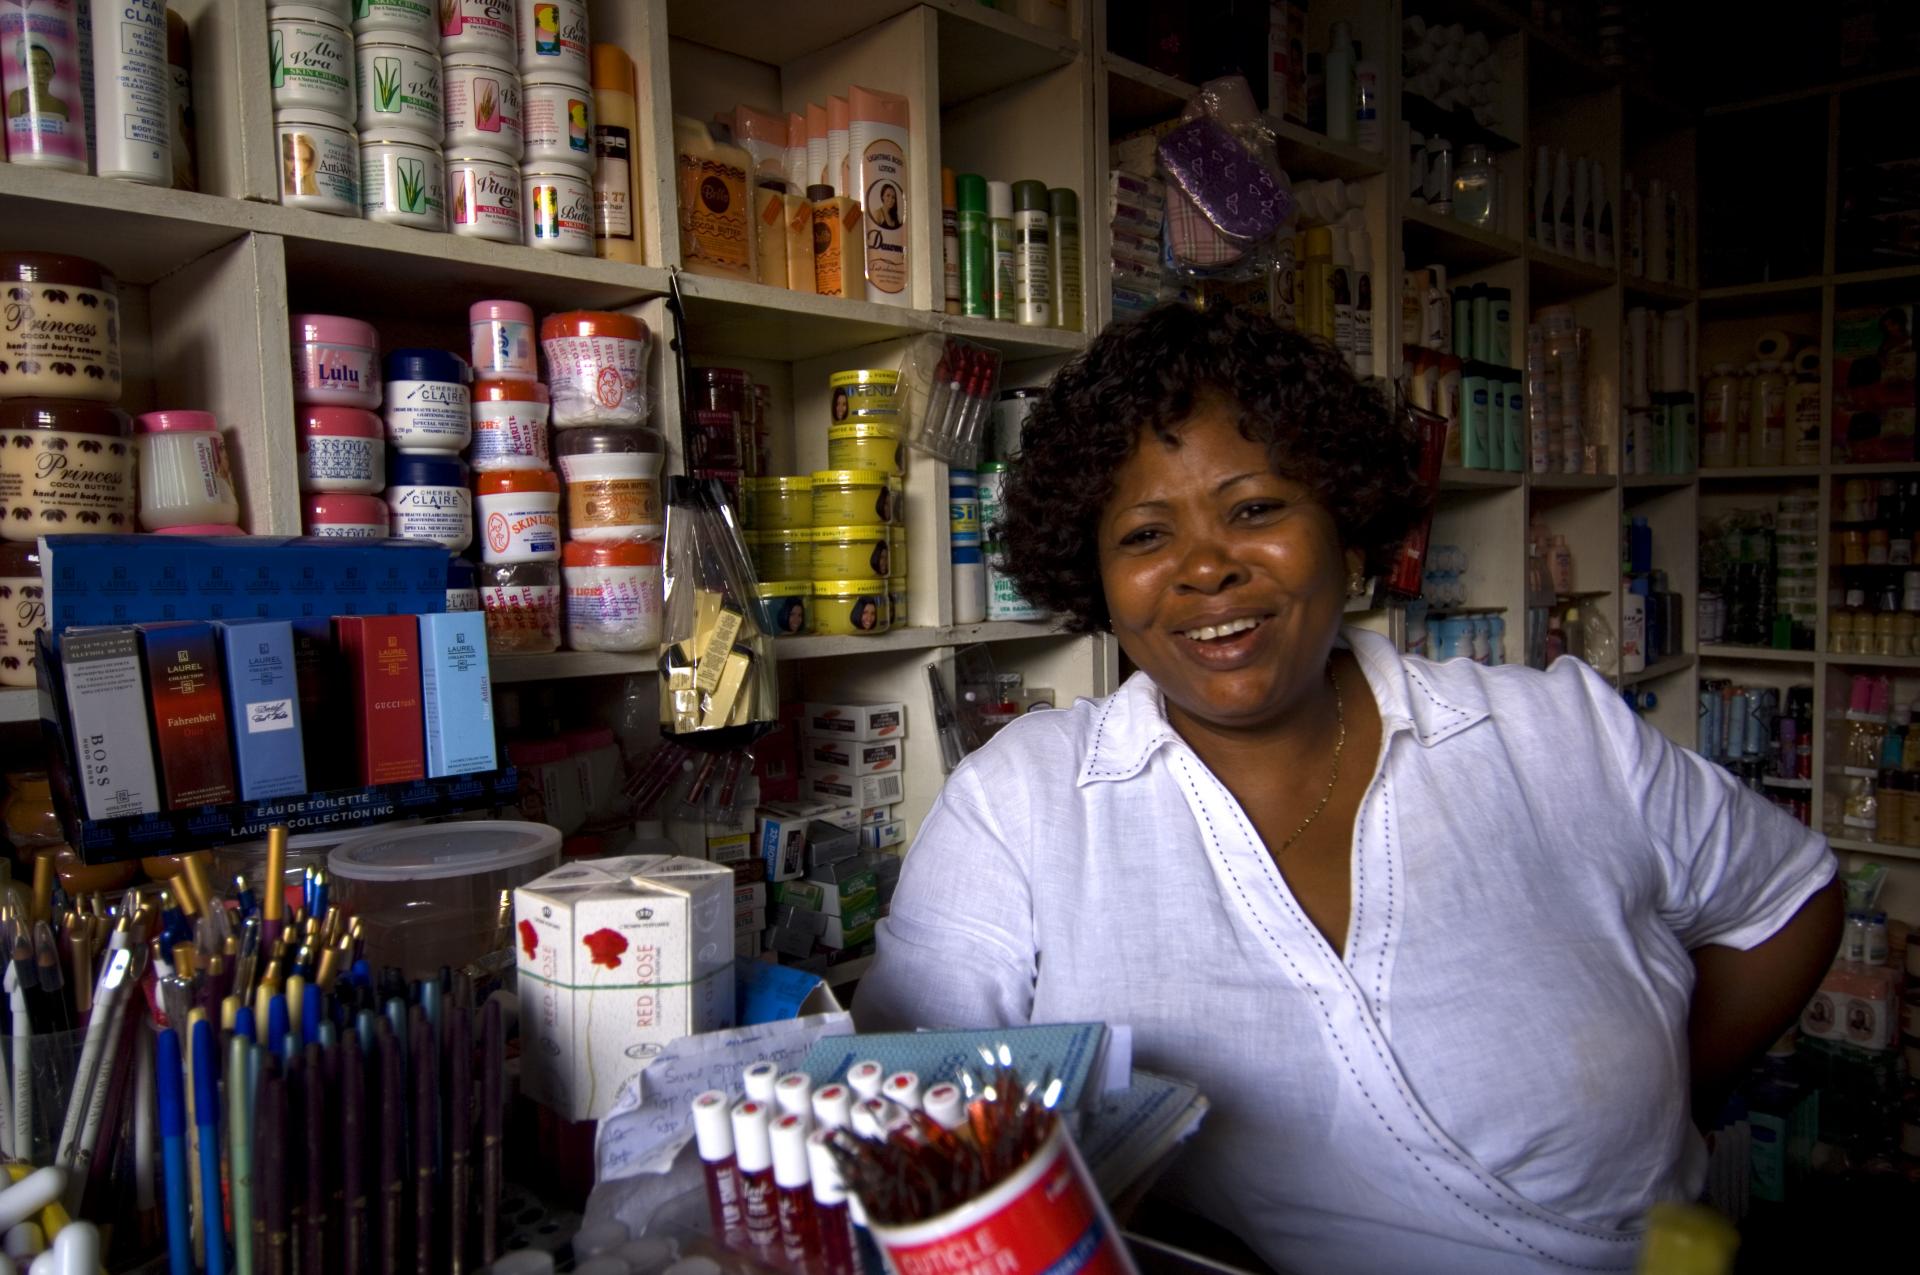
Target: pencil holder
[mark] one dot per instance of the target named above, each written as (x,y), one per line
(51,1060)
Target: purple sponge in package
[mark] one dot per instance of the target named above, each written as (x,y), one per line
(1240,195)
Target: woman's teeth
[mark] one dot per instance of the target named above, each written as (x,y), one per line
(1228,629)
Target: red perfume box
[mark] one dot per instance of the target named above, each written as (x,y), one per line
(382,658)
(189,713)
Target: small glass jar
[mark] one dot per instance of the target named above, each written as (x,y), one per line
(721,389)
(784,606)
(483,195)
(781,555)
(319,162)
(1473,185)
(613,595)
(559,121)
(522,602)
(714,442)
(399,83)
(557,209)
(851,608)
(403,179)
(483,104)
(613,483)
(851,498)
(310,60)
(851,553)
(184,478)
(783,503)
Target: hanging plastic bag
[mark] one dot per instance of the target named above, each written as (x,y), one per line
(718,688)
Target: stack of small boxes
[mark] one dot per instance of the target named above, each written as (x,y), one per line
(817,863)
(1136,206)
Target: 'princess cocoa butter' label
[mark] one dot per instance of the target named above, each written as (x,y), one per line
(23,613)
(52,482)
(59,341)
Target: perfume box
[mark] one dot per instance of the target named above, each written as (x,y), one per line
(189,713)
(456,693)
(107,714)
(263,699)
(382,658)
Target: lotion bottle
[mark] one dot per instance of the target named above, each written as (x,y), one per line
(1339,72)
(1032,255)
(132,94)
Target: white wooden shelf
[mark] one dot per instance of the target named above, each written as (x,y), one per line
(1655,481)
(559,665)
(1572,482)
(1901,663)
(1560,278)
(1432,236)
(1659,669)
(1761,654)
(1888,850)
(1459,478)
(1740,473)
(1657,295)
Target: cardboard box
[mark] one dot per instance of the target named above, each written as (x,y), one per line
(782,842)
(880,836)
(827,844)
(382,655)
(858,722)
(851,930)
(790,942)
(189,713)
(776,757)
(263,695)
(844,817)
(749,896)
(754,919)
(748,871)
(1873,384)
(326,715)
(810,895)
(734,848)
(881,756)
(785,916)
(107,708)
(746,944)
(844,789)
(456,694)
(876,814)
(845,881)
(618,957)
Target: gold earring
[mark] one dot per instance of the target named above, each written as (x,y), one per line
(1356,585)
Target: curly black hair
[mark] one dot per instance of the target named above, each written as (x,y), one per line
(1322,426)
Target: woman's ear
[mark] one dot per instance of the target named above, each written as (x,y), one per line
(1356,563)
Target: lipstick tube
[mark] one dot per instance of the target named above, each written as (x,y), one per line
(758,1081)
(833,1222)
(866,1079)
(793,1196)
(792,1094)
(945,1105)
(713,1138)
(903,1087)
(753,1161)
(832,1106)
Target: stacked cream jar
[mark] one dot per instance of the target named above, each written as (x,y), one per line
(66,461)
(556,166)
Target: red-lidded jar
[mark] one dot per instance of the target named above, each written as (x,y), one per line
(509,425)
(519,512)
(346,515)
(613,595)
(596,367)
(342,449)
(66,466)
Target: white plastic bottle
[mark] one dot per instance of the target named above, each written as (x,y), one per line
(1360,249)
(1339,73)
(1367,132)
(1340,289)
(133,94)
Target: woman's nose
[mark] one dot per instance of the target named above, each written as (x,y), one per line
(1208,568)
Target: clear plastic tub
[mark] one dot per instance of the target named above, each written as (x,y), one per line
(432,895)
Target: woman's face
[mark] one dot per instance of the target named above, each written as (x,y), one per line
(1205,534)
(869,615)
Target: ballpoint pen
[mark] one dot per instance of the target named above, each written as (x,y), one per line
(391,1172)
(240,1144)
(353,1155)
(493,1051)
(426,1133)
(314,1258)
(206,1119)
(273,898)
(173,1142)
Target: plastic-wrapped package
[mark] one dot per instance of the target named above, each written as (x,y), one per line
(1226,196)
(718,688)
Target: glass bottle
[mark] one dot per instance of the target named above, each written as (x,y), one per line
(1473,186)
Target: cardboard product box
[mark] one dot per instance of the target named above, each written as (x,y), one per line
(858,722)
(776,757)
(746,944)
(880,836)
(749,919)
(326,714)
(843,788)
(456,691)
(785,916)
(617,957)
(748,871)
(382,656)
(845,817)
(808,895)
(849,876)
(189,713)
(107,710)
(749,896)
(733,848)
(787,941)
(1873,384)
(263,694)
(827,844)
(784,835)
(851,930)
(875,814)
(882,756)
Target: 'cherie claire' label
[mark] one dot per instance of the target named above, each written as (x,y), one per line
(429,414)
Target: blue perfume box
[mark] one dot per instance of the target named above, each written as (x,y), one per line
(456,693)
(263,700)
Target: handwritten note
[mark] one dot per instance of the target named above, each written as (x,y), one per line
(652,1117)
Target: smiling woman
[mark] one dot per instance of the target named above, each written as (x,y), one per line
(1332,884)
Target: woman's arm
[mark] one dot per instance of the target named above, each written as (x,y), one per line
(1743,1000)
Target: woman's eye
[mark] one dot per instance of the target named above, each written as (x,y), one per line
(1142,536)
(1257,509)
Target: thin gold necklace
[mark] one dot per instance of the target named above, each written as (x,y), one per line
(1339,743)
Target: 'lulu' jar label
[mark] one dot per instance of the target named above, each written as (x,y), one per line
(23,611)
(52,482)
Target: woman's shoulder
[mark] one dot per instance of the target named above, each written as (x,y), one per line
(1041,750)
(1568,704)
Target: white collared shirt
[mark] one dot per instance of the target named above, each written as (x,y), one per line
(1531,865)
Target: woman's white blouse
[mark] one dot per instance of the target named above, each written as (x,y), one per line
(1531,865)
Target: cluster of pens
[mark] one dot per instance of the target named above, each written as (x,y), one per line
(317,1119)
(779,1161)
(960,397)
